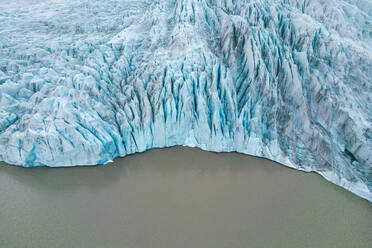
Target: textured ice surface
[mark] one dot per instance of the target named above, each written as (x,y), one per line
(82,82)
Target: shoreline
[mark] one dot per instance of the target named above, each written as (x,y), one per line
(357,188)
(179,197)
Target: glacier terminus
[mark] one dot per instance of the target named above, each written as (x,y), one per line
(83,82)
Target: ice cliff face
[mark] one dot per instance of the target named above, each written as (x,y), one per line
(83,82)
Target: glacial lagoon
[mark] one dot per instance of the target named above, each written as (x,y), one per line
(179,197)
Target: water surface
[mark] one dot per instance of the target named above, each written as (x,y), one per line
(179,197)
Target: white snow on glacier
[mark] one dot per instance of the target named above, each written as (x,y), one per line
(83,82)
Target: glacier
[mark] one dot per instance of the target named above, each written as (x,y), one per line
(83,82)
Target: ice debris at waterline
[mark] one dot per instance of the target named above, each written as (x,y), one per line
(83,82)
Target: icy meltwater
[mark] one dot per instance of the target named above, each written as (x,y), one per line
(179,197)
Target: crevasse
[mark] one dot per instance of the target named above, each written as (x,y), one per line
(83,82)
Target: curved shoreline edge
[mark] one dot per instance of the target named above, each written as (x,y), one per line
(355,188)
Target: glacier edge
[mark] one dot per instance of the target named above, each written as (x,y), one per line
(286,80)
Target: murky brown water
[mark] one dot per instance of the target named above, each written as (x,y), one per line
(179,197)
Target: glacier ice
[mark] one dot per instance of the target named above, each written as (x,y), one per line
(83,82)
